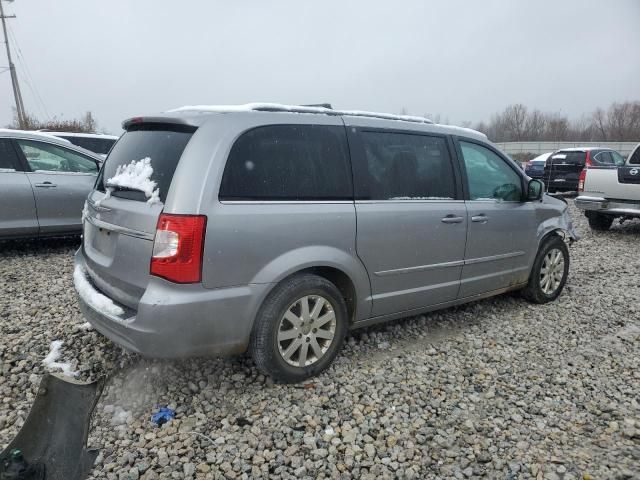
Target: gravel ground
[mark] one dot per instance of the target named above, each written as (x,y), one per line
(499,388)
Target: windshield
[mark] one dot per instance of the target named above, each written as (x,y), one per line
(162,145)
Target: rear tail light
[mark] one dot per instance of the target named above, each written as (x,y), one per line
(587,161)
(583,176)
(177,248)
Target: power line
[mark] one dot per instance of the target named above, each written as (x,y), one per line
(22,120)
(27,74)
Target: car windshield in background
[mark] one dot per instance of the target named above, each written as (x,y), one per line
(574,158)
(163,144)
(94,144)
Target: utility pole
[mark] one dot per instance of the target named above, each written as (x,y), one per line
(22,116)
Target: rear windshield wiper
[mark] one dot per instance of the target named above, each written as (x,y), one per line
(118,188)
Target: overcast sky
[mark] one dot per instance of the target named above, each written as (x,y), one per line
(462,59)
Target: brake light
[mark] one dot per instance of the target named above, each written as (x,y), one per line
(581,179)
(587,161)
(178,247)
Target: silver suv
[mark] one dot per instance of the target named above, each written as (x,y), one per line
(277,229)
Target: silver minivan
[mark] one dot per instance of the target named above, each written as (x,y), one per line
(275,229)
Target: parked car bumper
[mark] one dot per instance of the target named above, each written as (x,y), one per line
(174,321)
(609,207)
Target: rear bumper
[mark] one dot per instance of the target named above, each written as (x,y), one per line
(609,207)
(174,321)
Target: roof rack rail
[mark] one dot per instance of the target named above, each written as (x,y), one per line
(277,107)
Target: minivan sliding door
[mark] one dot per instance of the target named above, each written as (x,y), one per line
(411,224)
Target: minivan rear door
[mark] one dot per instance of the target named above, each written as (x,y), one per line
(411,221)
(120,223)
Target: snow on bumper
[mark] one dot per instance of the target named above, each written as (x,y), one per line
(172,320)
(92,297)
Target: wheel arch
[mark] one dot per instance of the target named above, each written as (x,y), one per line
(343,270)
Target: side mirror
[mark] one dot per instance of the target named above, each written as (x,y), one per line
(535,189)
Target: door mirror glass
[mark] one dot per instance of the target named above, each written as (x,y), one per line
(534,190)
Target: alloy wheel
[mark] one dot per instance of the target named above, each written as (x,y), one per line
(306,330)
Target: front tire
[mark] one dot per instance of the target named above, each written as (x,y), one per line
(299,329)
(549,273)
(599,222)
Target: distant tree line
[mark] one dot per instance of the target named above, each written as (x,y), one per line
(84,124)
(516,123)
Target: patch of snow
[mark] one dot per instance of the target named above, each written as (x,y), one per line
(50,361)
(120,416)
(86,326)
(107,196)
(95,299)
(541,158)
(85,211)
(278,107)
(137,176)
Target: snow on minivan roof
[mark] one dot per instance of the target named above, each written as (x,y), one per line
(278,107)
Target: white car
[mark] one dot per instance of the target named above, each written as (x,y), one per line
(607,194)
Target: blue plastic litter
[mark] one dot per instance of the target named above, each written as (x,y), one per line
(163,415)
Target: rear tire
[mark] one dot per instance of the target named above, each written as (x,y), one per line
(300,328)
(599,222)
(549,273)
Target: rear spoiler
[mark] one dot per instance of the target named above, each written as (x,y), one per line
(159,120)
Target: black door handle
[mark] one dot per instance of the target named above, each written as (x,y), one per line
(46,185)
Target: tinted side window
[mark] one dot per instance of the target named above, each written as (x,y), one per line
(403,166)
(489,176)
(288,162)
(603,159)
(8,156)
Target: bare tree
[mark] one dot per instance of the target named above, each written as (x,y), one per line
(620,122)
(514,118)
(535,125)
(85,124)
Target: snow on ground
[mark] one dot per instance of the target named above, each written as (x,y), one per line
(91,296)
(50,361)
(137,175)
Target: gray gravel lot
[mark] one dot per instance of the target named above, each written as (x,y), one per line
(499,388)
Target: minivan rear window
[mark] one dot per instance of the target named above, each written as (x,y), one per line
(163,144)
(289,162)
